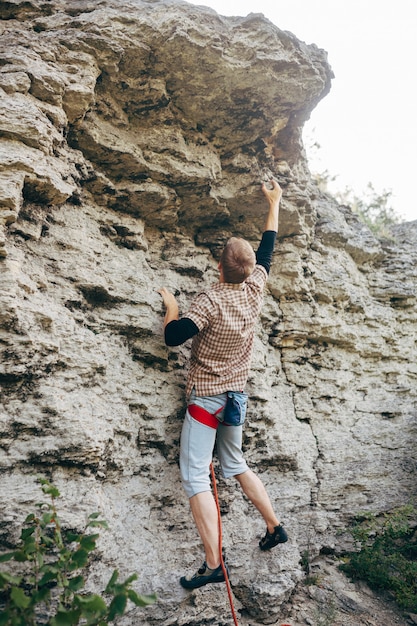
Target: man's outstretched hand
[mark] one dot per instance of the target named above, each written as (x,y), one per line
(272,195)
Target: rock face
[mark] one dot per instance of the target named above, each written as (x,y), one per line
(134,136)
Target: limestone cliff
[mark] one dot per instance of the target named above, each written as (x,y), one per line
(134,136)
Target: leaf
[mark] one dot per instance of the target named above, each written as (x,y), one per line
(98,524)
(140,600)
(94,521)
(47,542)
(6,579)
(47,577)
(27,532)
(29,548)
(130,579)
(76,583)
(4,618)
(41,595)
(7,556)
(50,490)
(64,552)
(79,559)
(30,518)
(89,542)
(91,604)
(70,536)
(66,618)
(112,581)
(20,556)
(117,606)
(53,568)
(47,518)
(40,559)
(19,598)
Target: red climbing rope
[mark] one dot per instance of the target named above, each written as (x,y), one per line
(226,578)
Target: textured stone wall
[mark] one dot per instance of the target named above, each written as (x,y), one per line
(133,139)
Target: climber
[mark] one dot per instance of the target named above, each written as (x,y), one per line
(221,321)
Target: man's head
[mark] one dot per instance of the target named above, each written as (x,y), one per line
(237,261)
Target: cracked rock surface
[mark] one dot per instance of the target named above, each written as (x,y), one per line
(133,139)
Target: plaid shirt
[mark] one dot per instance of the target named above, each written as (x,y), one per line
(221,352)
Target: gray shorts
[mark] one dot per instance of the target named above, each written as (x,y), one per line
(197,444)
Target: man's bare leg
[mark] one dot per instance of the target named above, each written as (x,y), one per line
(254,489)
(204,511)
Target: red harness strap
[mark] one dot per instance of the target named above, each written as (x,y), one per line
(203,416)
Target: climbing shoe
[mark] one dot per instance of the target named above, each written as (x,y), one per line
(273,539)
(203,576)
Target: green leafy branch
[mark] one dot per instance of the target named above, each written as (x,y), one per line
(48,586)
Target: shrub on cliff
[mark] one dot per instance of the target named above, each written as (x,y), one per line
(46,586)
(387,555)
(373,208)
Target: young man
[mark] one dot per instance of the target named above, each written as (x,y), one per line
(222,322)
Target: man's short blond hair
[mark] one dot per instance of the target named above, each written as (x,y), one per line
(237,260)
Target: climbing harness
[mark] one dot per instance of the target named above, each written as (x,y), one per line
(226,578)
(204,417)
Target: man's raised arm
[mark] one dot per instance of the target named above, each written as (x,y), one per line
(273,197)
(266,247)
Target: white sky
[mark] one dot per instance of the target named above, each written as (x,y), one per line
(367,125)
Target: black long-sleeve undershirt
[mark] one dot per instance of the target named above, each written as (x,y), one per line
(178,331)
(266,249)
